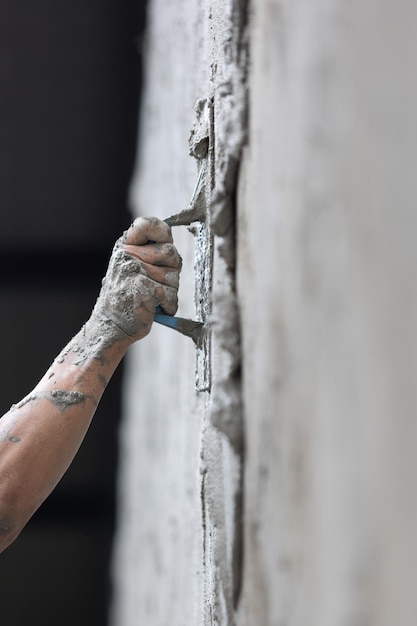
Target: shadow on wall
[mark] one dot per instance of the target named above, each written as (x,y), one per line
(70,84)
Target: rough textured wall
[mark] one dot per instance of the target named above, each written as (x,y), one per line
(177,558)
(316,349)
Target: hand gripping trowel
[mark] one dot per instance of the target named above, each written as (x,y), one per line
(190,328)
(186,327)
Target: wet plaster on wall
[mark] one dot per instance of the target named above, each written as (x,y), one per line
(222,438)
(201,143)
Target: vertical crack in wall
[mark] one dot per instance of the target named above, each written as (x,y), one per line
(216,142)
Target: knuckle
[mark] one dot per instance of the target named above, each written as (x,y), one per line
(167,249)
(172,278)
(171,253)
(139,222)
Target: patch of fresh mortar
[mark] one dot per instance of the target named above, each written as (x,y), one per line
(203,277)
(216,142)
(200,142)
(229,78)
(229,129)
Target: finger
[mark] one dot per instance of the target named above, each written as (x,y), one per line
(164,254)
(145,229)
(168,299)
(163,275)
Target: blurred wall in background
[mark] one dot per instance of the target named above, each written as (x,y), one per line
(304,268)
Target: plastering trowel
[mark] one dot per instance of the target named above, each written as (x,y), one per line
(190,328)
(185,327)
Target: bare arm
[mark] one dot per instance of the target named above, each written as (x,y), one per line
(41,434)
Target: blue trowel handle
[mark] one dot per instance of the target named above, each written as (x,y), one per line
(163,318)
(190,328)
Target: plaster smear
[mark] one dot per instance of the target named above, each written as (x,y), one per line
(62,398)
(222,443)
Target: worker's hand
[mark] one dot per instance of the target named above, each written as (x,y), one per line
(143,273)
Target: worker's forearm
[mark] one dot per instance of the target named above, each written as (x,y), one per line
(41,434)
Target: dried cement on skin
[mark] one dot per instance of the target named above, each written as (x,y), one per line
(125,291)
(61,398)
(122,293)
(95,336)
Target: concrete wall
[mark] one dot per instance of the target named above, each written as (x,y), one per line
(304,271)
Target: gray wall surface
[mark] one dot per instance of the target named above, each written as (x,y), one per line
(69,90)
(269,476)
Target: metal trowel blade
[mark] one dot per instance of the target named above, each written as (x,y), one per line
(189,328)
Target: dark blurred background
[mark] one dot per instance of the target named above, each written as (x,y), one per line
(70,76)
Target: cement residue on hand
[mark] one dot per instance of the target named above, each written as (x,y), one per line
(125,290)
(124,308)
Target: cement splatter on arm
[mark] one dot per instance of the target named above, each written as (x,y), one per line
(40,435)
